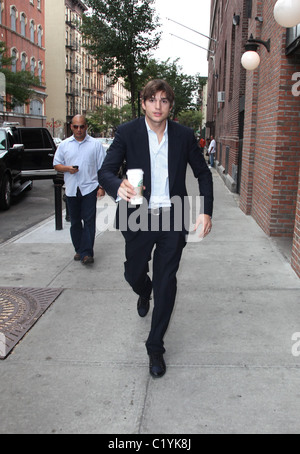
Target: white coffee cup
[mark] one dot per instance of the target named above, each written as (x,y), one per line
(136,177)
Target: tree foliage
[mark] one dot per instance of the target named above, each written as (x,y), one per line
(106,119)
(18,84)
(186,88)
(191,118)
(121,34)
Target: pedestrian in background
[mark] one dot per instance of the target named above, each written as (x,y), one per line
(162,149)
(202,144)
(79,158)
(211,151)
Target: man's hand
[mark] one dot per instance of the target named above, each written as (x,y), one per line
(126,191)
(205,221)
(100,193)
(63,169)
(72,170)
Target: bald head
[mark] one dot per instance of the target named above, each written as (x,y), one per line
(79,127)
(80,118)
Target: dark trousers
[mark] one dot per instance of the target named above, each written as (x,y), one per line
(82,210)
(166,259)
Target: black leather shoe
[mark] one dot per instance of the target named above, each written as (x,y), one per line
(87,260)
(143,306)
(157,365)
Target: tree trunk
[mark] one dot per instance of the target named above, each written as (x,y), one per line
(133,108)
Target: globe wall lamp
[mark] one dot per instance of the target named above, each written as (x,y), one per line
(287,13)
(251,59)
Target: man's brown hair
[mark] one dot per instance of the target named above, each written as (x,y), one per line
(154,86)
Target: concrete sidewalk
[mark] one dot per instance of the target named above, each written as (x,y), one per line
(83,367)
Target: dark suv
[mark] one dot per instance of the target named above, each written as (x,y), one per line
(26,154)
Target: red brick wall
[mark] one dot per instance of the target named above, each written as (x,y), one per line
(229,73)
(271,147)
(296,243)
(246,190)
(271,150)
(13,39)
(275,169)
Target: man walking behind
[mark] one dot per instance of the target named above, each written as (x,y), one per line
(80,157)
(212,150)
(162,149)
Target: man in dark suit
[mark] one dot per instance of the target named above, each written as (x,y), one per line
(162,149)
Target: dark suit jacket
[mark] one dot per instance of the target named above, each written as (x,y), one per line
(131,143)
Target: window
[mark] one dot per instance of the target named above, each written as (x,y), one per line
(19,109)
(23,24)
(36,108)
(39,4)
(40,34)
(47,141)
(232,60)
(13,18)
(293,40)
(32,66)
(249,7)
(32,27)
(14,55)
(2,140)
(23,61)
(40,72)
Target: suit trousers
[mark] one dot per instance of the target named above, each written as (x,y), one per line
(82,210)
(168,246)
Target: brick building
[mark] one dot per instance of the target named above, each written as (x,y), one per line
(255,115)
(75,83)
(22,28)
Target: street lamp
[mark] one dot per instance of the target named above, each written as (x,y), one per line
(251,59)
(287,13)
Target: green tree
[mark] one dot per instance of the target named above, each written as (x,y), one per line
(121,34)
(192,119)
(106,119)
(18,84)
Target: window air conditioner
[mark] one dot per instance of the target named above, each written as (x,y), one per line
(221,96)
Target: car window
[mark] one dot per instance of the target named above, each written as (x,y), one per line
(2,140)
(10,140)
(32,138)
(47,141)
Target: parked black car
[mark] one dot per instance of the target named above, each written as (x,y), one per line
(26,154)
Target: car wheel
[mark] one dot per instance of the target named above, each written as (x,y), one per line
(5,193)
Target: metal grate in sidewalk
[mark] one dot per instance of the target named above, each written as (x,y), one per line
(20,308)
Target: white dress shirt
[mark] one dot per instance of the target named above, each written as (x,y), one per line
(88,155)
(159,153)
